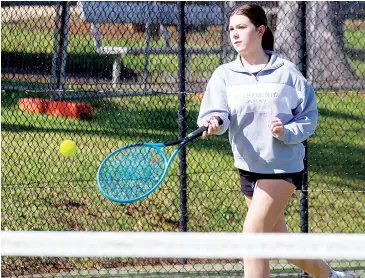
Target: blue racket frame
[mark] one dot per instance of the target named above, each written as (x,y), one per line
(158,147)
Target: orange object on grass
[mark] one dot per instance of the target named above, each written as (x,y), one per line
(69,109)
(32,105)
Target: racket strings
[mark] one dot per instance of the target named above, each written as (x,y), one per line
(132,172)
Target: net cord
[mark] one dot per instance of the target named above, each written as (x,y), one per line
(182,245)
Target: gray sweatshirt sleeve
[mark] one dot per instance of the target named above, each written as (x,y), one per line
(305,117)
(214,102)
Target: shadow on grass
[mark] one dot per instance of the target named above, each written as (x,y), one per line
(334,156)
(127,118)
(324,112)
(78,65)
(339,160)
(140,119)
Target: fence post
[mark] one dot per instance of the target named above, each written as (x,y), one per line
(55,50)
(59,58)
(182,118)
(302,53)
(64,42)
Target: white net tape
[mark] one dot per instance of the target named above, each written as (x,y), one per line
(182,245)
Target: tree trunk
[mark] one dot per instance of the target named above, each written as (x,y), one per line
(326,61)
(287,31)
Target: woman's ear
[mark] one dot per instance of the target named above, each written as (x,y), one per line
(261,29)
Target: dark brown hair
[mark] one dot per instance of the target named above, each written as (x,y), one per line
(257,16)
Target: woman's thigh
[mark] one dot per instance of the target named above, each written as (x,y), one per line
(280,225)
(267,205)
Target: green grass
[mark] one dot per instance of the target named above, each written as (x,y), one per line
(26,40)
(358,66)
(337,161)
(354,39)
(203,270)
(36,176)
(41,190)
(168,63)
(40,40)
(33,39)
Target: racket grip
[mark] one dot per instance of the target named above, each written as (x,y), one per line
(198,132)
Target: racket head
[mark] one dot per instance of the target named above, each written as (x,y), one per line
(132,172)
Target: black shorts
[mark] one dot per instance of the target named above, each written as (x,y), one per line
(249,179)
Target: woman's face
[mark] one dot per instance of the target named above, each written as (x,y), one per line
(244,35)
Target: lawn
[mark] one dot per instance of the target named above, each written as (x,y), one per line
(41,190)
(62,193)
(39,39)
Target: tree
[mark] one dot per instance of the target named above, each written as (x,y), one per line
(327,62)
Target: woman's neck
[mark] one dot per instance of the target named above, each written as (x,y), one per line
(256,58)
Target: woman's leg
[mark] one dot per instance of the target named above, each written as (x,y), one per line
(266,207)
(316,268)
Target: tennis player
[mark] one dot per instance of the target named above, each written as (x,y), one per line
(270,109)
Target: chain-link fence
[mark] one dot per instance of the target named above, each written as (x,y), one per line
(105,74)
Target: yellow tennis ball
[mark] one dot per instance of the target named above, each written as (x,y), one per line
(68,148)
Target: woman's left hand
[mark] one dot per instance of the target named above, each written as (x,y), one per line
(276,127)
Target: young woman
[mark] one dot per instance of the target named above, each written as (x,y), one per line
(270,109)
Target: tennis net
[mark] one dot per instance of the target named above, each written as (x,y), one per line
(169,254)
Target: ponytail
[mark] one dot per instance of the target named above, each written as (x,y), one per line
(268,39)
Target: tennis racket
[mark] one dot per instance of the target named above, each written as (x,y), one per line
(133,172)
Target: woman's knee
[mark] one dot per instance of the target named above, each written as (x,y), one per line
(253,225)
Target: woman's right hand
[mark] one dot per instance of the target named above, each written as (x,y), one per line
(213,126)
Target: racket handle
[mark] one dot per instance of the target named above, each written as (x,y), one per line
(193,135)
(198,132)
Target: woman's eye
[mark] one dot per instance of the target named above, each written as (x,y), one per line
(239,27)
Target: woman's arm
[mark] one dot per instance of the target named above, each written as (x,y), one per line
(214,102)
(305,118)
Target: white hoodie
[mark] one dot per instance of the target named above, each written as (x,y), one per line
(246,102)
